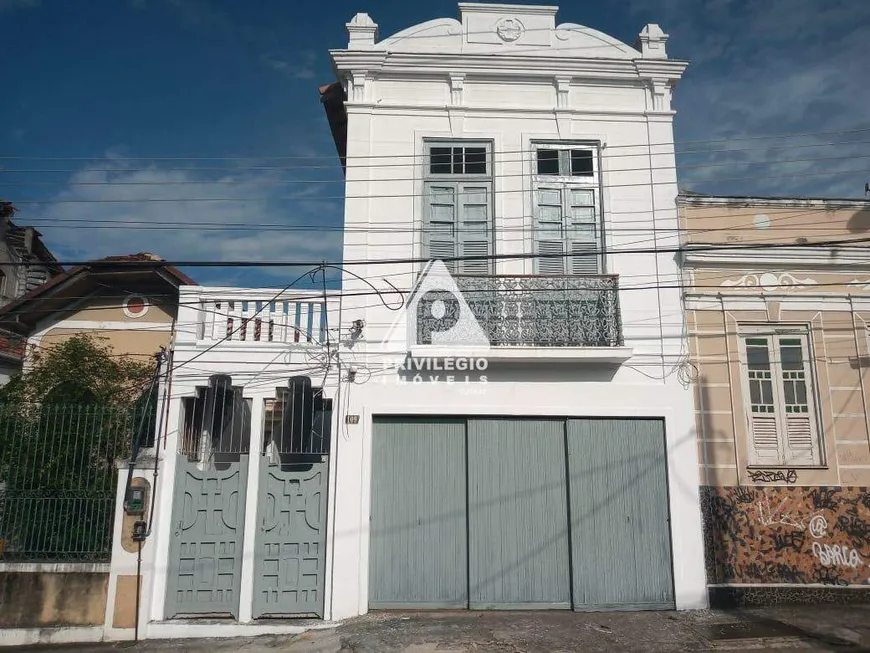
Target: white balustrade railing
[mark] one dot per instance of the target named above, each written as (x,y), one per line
(257,316)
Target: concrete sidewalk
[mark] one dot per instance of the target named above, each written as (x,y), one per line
(815,628)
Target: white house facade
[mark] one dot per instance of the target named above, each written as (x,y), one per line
(535,160)
(493,411)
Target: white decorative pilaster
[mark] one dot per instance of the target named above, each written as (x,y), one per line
(457,86)
(252,495)
(356,87)
(563,88)
(660,94)
(456,116)
(563,117)
(456,109)
(162,494)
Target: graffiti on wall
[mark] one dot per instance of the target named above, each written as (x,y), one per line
(784,534)
(773,475)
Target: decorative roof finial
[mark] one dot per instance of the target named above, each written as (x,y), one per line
(362,32)
(651,42)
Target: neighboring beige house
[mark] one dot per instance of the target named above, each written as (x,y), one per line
(130,303)
(127,301)
(777,297)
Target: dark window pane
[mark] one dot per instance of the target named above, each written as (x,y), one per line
(801,390)
(757,355)
(439,161)
(791,352)
(548,162)
(457,160)
(788,392)
(581,163)
(755,392)
(475,160)
(767,394)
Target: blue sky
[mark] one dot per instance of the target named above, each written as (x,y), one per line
(114,84)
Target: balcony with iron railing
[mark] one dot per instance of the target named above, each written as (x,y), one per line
(523,318)
(538,318)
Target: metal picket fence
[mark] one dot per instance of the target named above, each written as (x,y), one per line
(58,478)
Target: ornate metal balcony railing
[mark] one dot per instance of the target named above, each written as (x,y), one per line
(542,311)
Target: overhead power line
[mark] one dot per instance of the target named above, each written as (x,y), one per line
(333,198)
(392,225)
(284,182)
(606,155)
(393,156)
(846,243)
(714,229)
(393,228)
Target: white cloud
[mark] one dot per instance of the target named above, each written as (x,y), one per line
(770,68)
(152,194)
(300,68)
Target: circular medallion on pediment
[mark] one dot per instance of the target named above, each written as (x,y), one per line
(509,29)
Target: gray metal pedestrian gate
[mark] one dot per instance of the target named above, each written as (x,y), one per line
(209,502)
(206,549)
(208,511)
(514,513)
(290,539)
(291,535)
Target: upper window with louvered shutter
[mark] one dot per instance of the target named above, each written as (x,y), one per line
(779,400)
(457,221)
(567,228)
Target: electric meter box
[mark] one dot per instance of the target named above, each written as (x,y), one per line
(134,502)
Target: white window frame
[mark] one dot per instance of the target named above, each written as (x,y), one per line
(768,442)
(564,183)
(459,183)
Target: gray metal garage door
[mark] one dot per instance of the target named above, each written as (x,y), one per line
(519,513)
(418,518)
(619,515)
(518,526)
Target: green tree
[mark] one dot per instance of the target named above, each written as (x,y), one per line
(63,425)
(81,370)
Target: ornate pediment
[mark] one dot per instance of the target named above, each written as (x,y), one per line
(506,29)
